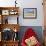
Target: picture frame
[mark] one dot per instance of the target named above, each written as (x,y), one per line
(13,20)
(6,34)
(29,13)
(12,12)
(5,12)
(9,20)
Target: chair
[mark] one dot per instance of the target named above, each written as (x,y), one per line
(28,34)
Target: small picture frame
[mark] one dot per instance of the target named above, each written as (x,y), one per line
(5,12)
(12,12)
(29,13)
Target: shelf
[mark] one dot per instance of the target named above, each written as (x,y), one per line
(11,41)
(2,8)
(6,12)
(9,10)
(11,26)
(7,16)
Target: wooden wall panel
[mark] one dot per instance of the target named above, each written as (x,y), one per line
(44,7)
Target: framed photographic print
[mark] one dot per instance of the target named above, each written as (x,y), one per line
(30,13)
(5,12)
(6,34)
(13,20)
(12,12)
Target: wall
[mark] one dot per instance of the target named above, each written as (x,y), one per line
(32,4)
(27,4)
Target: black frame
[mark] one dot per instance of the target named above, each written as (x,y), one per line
(30,17)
